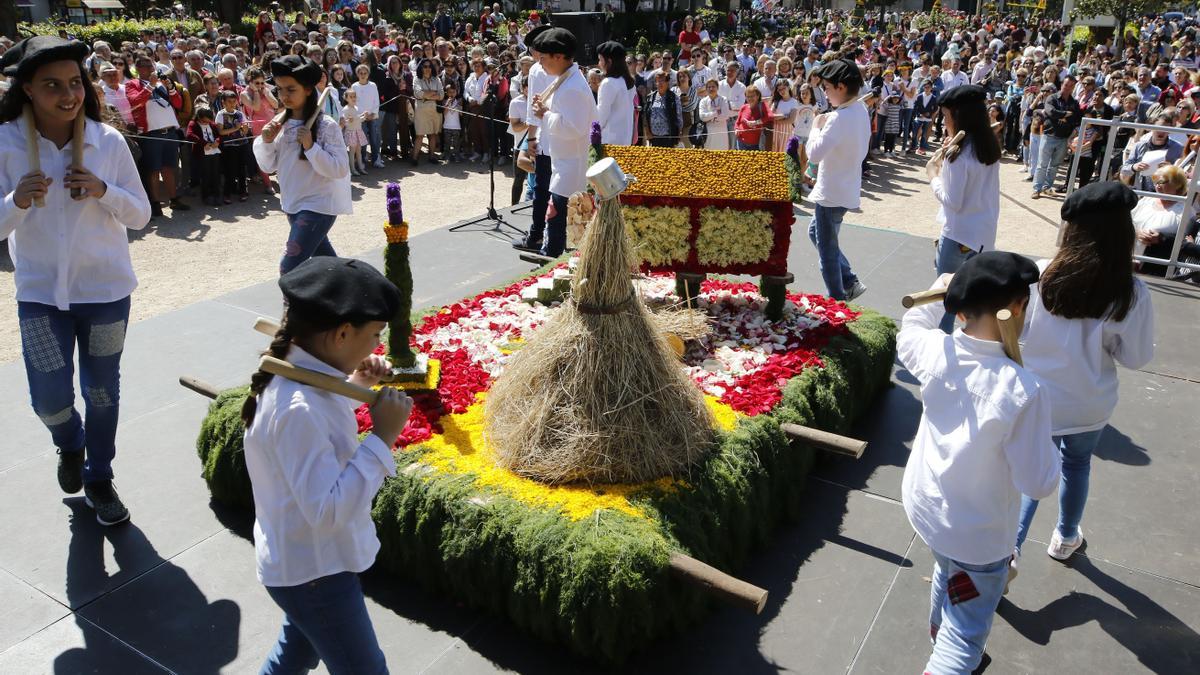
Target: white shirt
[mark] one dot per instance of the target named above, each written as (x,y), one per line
(969,195)
(322,182)
(313,481)
(950,80)
(517,108)
(368,97)
(983,441)
(839,147)
(159,113)
(614,111)
(70,252)
(734,94)
(475,88)
(452,115)
(539,79)
(715,112)
(1075,359)
(116,96)
(568,127)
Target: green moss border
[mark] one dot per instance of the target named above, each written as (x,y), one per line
(601,585)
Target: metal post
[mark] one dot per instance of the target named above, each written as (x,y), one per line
(1185,220)
(1075,160)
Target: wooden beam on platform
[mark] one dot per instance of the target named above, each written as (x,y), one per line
(199,386)
(824,440)
(729,589)
(536,259)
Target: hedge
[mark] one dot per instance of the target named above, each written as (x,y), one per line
(602,585)
(117,31)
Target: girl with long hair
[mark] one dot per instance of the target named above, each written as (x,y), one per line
(615,100)
(966,183)
(427,123)
(313,479)
(1087,313)
(309,162)
(70,251)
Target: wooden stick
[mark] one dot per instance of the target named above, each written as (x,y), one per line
(842,445)
(312,378)
(320,104)
(199,386)
(950,150)
(266,326)
(923,298)
(535,259)
(1010,334)
(77,147)
(727,588)
(31,147)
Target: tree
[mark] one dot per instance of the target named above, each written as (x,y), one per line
(1121,10)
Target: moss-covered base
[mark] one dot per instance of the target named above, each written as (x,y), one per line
(601,584)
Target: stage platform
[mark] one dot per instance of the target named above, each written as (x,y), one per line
(175,590)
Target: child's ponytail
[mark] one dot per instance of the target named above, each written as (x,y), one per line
(281,344)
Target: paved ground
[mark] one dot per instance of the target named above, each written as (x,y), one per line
(201,254)
(175,590)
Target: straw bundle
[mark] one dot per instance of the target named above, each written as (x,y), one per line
(597,395)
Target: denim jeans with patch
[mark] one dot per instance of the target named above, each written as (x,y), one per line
(325,620)
(309,237)
(48,339)
(962,601)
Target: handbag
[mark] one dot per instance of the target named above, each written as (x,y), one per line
(525,161)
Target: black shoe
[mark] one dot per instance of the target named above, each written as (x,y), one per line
(102,497)
(434,160)
(155,211)
(179,205)
(1060,190)
(70,471)
(528,246)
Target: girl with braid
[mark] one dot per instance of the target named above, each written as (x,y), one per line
(313,480)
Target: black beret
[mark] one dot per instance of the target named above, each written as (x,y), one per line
(612,50)
(343,289)
(303,69)
(25,57)
(555,41)
(1108,198)
(989,277)
(840,71)
(535,32)
(963,95)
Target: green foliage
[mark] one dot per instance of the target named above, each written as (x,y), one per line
(117,31)
(643,46)
(1121,9)
(397,269)
(221,452)
(602,585)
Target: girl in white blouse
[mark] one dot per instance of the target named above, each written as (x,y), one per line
(966,184)
(313,480)
(614,101)
(314,176)
(714,111)
(1087,313)
(71,256)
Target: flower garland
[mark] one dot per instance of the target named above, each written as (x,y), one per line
(731,237)
(659,235)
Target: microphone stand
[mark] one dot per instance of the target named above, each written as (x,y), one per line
(492,216)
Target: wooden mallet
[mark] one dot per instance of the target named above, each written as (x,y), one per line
(31,147)
(1010,334)
(312,378)
(923,298)
(77,147)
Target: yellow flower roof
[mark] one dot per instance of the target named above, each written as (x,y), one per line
(703,174)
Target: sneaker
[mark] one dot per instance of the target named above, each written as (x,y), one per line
(179,205)
(226,200)
(1012,569)
(1061,549)
(1037,194)
(1062,190)
(1028,179)
(102,497)
(379,164)
(434,160)
(70,471)
(155,211)
(475,157)
(243,197)
(858,289)
(527,245)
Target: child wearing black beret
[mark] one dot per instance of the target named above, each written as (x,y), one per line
(983,441)
(313,480)
(1087,313)
(67,225)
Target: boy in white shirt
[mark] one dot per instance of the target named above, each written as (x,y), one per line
(983,440)
(838,143)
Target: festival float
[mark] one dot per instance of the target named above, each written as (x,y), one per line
(596,464)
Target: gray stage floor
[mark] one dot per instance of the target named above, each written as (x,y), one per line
(175,589)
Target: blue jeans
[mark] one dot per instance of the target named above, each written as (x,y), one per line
(917,138)
(949,257)
(962,601)
(48,338)
(374,133)
(1076,451)
(324,620)
(748,146)
(1049,157)
(1032,154)
(309,237)
(556,228)
(823,231)
(906,116)
(541,200)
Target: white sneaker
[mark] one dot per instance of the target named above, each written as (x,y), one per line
(475,157)
(1061,549)
(1012,569)
(379,164)
(858,289)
